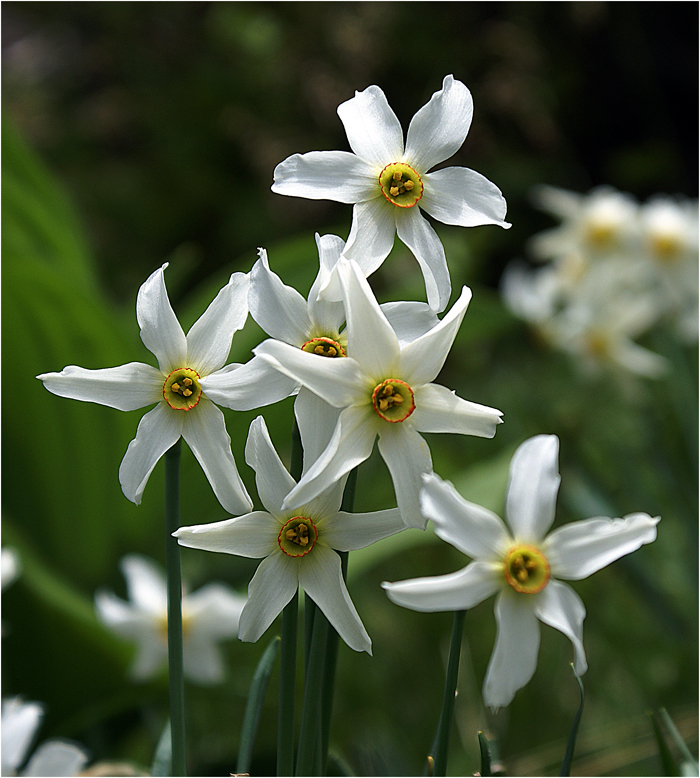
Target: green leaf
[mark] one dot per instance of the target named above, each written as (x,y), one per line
(162,756)
(256,698)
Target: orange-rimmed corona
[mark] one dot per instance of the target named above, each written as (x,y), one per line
(401,185)
(324,347)
(297,536)
(181,389)
(393,400)
(526,569)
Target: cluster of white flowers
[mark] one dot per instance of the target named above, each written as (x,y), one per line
(614,269)
(360,372)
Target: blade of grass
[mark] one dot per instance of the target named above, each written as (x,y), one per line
(253,708)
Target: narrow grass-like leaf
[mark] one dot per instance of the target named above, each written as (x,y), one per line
(678,740)
(253,709)
(162,757)
(484,755)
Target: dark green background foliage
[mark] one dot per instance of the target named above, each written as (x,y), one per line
(138,133)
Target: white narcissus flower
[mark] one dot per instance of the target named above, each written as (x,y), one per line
(383,388)
(187,366)
(20,722)
(520,562)
(597,224)
(299,546)
(385,180)
(209,615)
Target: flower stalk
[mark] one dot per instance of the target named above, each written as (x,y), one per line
(442,738)
(174,585)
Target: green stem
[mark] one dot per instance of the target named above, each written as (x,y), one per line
(285,715)
(331,660)
(174,586)
(442,738)
(311,710)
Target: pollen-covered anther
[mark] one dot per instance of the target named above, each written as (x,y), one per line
(298,536)
(181,389)
(401,185)
(324,347)
(526,569)
(393,400)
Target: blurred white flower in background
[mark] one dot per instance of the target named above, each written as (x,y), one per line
(614,271)
(209,615)
(11,567)
(20,722)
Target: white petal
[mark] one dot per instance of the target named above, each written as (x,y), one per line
(271,477)
(125,388)
(475,531)
(409,319)
(371,236)
(249,386)
(252,535)
(56,758)
(145,583)
(20,721)
(413,230)
(351,444)
(326,175)
(640,360)
(271,588)
(317,420)
(280,310)
(439,128)
(121,617)
(326,316)
(158,430)
(438,409)
(452,592)
(321,578)
(160,330)
(214,610)
(534,480)
(423,358)
(408,457)
(559,606)
(373,131)
(338,381)
(202,662)
(352,531)
(209,339)
(458,195)
(371,340)
(151,656)
(204,431)
(579,549)
(514,657)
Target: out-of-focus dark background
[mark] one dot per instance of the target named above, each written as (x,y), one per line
(139,133)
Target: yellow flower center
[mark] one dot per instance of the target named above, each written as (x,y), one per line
(602,235)
(401,185)
(181,389)
(297,536)
(393,400)
(162,624)
(666,248)
(526,569)
(325,347)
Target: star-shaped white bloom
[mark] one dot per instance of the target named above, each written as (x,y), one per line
(317,326)
(187,367)
(383,388)
(386,180)
(520,562)
(20,722)
(209,615)
(297,545)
